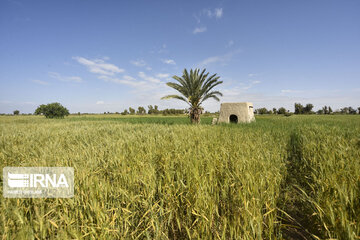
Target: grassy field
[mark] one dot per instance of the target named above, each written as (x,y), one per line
(159,177)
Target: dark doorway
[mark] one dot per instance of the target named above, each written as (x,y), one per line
(233,119)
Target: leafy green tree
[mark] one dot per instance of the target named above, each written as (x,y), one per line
(195,88)
(125,112)
(52,110)
(352,111)
(151,109)
(299,109)
(274,111)
(132,111)
(156,109)
(141,111)
(262,111)
(359,110)
(345,110)
(330,110)
(281,110)
(308,108)
(16,112)
(325,110)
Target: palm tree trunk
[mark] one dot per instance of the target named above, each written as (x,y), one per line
(195,115)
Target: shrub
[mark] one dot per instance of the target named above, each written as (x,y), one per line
(16,112)
(52,110)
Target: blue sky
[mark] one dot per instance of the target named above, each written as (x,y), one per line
(96,56)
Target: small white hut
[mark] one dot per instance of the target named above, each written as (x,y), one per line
(242,112)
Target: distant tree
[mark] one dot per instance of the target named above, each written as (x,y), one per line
(299,109)
(125,112)
(195,88)
(308,108)
(52,110)
(330,110)
(156,109)
(132,111)
(320,111)
(325,110)
(344,110)
(281,110)
(274,111)
(352,111)
(40,109)
(262,111)
(270,112)
(141,111)
(150,109)
(16,112)
(359,110)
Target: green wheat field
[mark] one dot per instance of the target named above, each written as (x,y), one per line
(159,177)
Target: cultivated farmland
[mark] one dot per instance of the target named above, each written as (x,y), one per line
(162,178)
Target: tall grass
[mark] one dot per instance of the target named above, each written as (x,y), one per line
(137,180)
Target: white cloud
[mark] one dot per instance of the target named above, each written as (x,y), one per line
(256,82)
(99,66)
(148,78)
(218,12)
(64,78)
(219,59)
(290,91)
(169,61)
(162,75)
(138,63)
(100,102)
(199,30)
(148,68)
(253,74)
(40,82)
(230,43)
(126,80)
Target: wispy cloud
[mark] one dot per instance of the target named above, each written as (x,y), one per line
(99,66)
(199,30)
(230,43)
(162,75)
(169,61)
(217,12)
(126,80)
(100,102)
(40,82)
(138,63)
(219,59)
(148,78)
(59,77)
(253,75)
(291,91)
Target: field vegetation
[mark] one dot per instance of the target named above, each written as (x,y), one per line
(157,177)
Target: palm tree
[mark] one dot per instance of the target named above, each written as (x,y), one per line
(195,88)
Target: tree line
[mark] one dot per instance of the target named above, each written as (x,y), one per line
(308,109)
(151,110)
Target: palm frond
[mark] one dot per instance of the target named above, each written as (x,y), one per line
(195,87)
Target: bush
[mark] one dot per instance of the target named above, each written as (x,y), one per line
(52,110)
(16,112)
